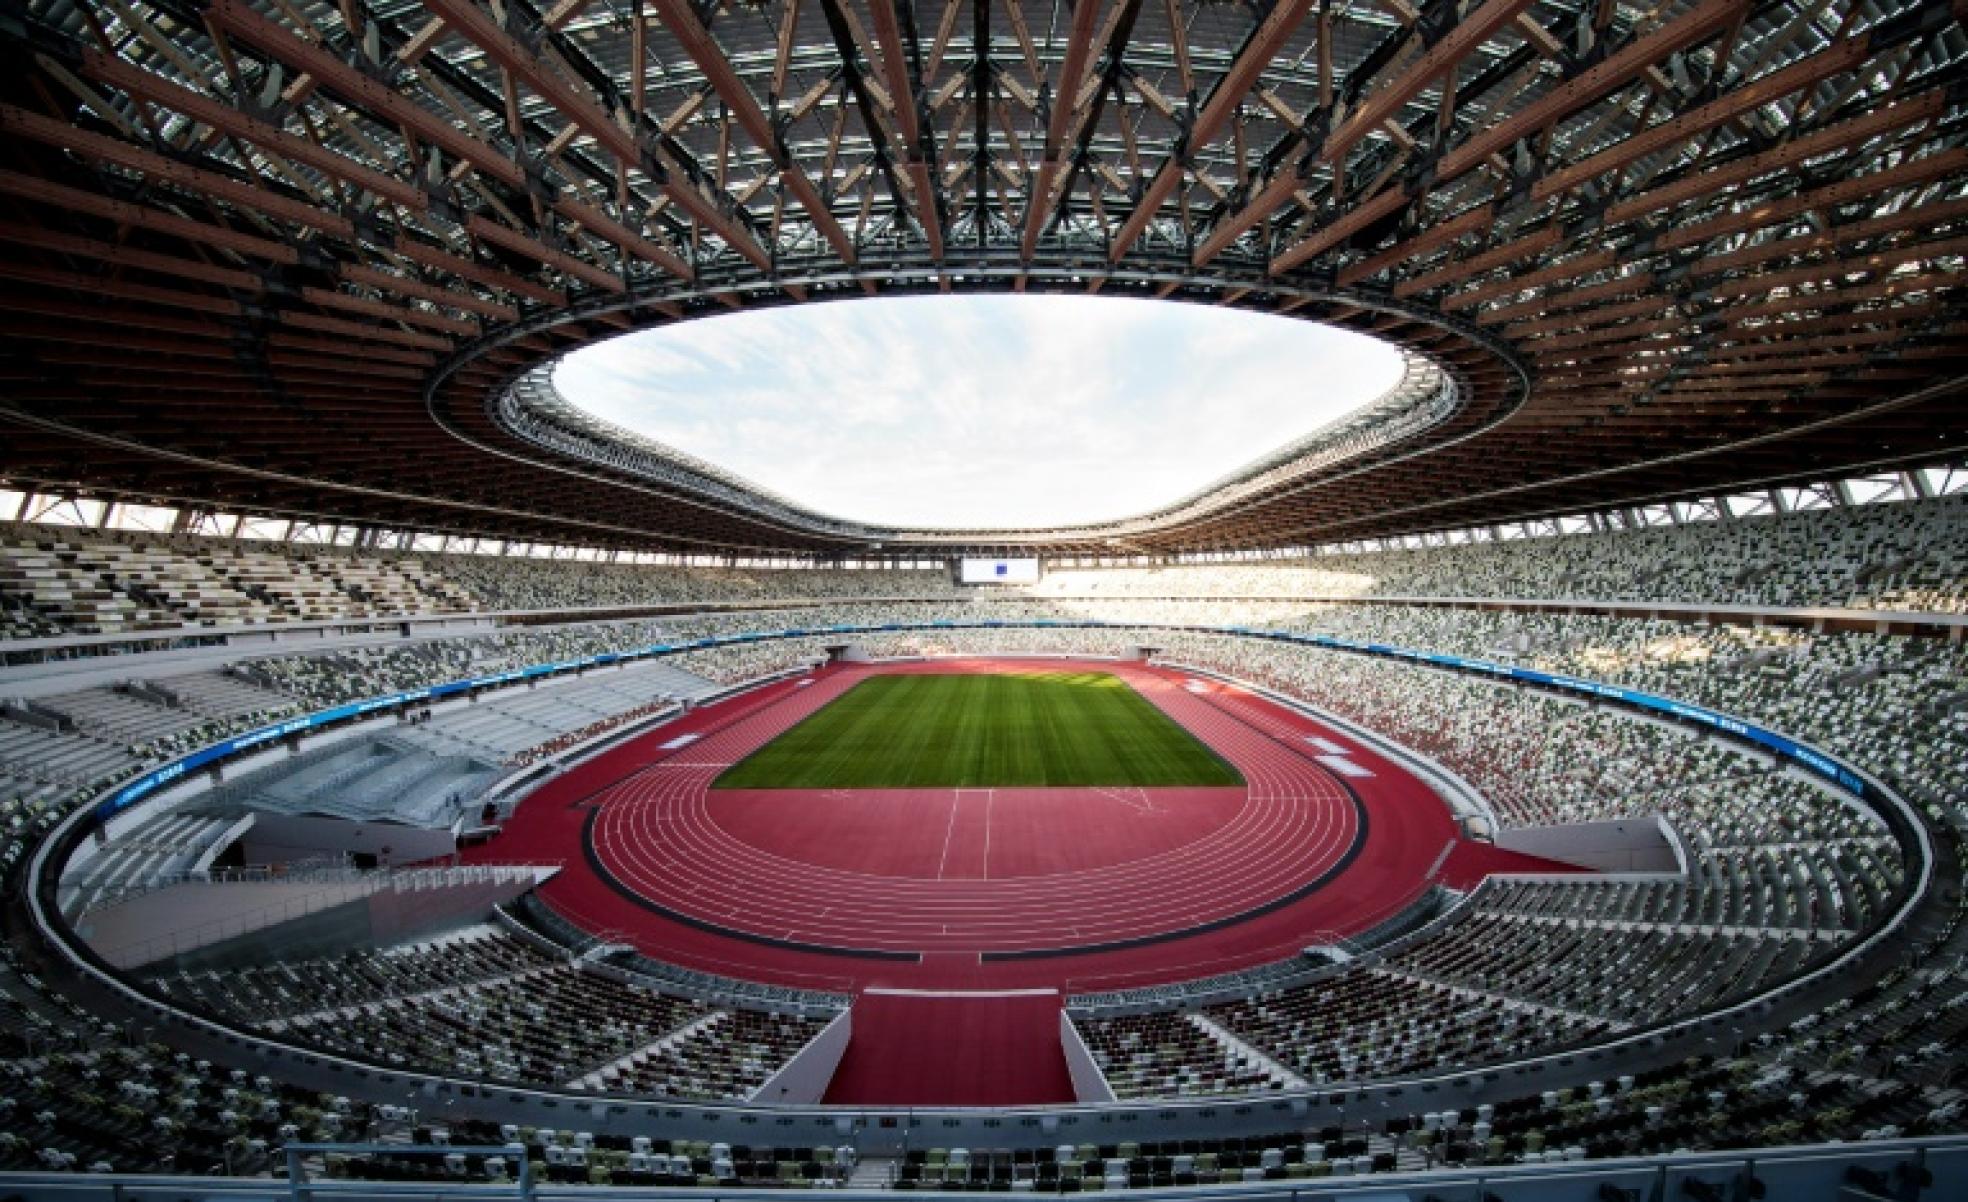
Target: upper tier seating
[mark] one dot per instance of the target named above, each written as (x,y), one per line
(1900,556)
(521,583)
(106,582)
(1896,556)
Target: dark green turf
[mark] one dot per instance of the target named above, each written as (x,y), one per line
(919,731)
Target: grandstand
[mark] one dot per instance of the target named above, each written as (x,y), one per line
(1777,874)
(1545,779)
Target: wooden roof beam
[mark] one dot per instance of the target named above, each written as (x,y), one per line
(138,216)
(477,27)
(1463,39)
(247,24)
(1039,202)
(1258,50)
(1617,69)
(135,81)
(106,149)
(682,23)
(1467,36)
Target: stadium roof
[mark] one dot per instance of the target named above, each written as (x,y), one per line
(313,258)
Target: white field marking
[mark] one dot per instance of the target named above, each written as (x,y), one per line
(956,799)
(1342,765)
(1137,800)
(1327,745)
(990,799)
(680,741)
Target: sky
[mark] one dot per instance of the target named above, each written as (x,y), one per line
(980,411)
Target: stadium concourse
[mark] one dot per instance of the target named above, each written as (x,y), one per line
(958,906)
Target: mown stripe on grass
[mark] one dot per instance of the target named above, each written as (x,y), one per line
(1000,730)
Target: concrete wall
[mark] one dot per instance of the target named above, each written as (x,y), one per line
(1089,1083)
(1619,845)
(178,919)
(803,1080)
(192,926)
(279,838)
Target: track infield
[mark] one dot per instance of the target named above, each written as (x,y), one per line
(1001,730)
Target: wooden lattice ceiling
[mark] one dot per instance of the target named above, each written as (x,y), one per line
(272,254)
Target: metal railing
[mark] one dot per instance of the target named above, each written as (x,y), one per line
(1931,1169)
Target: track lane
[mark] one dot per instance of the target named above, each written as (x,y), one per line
(657,838)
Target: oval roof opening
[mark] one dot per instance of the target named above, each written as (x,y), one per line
(974,411)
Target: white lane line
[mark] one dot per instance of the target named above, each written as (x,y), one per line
(989,798)
(1342,765)
(956,799)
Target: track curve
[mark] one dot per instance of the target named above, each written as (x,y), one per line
(658,836)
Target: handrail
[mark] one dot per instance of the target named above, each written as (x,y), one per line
(1813,1170)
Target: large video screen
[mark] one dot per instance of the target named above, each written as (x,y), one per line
(1000,571)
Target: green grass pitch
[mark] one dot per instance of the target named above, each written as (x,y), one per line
(982,731)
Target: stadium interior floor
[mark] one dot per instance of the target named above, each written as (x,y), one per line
(902,941)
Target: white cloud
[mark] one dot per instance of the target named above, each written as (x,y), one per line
(980,411)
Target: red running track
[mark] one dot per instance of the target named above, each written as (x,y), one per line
(952,890)
(909,871)
(908,1049)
